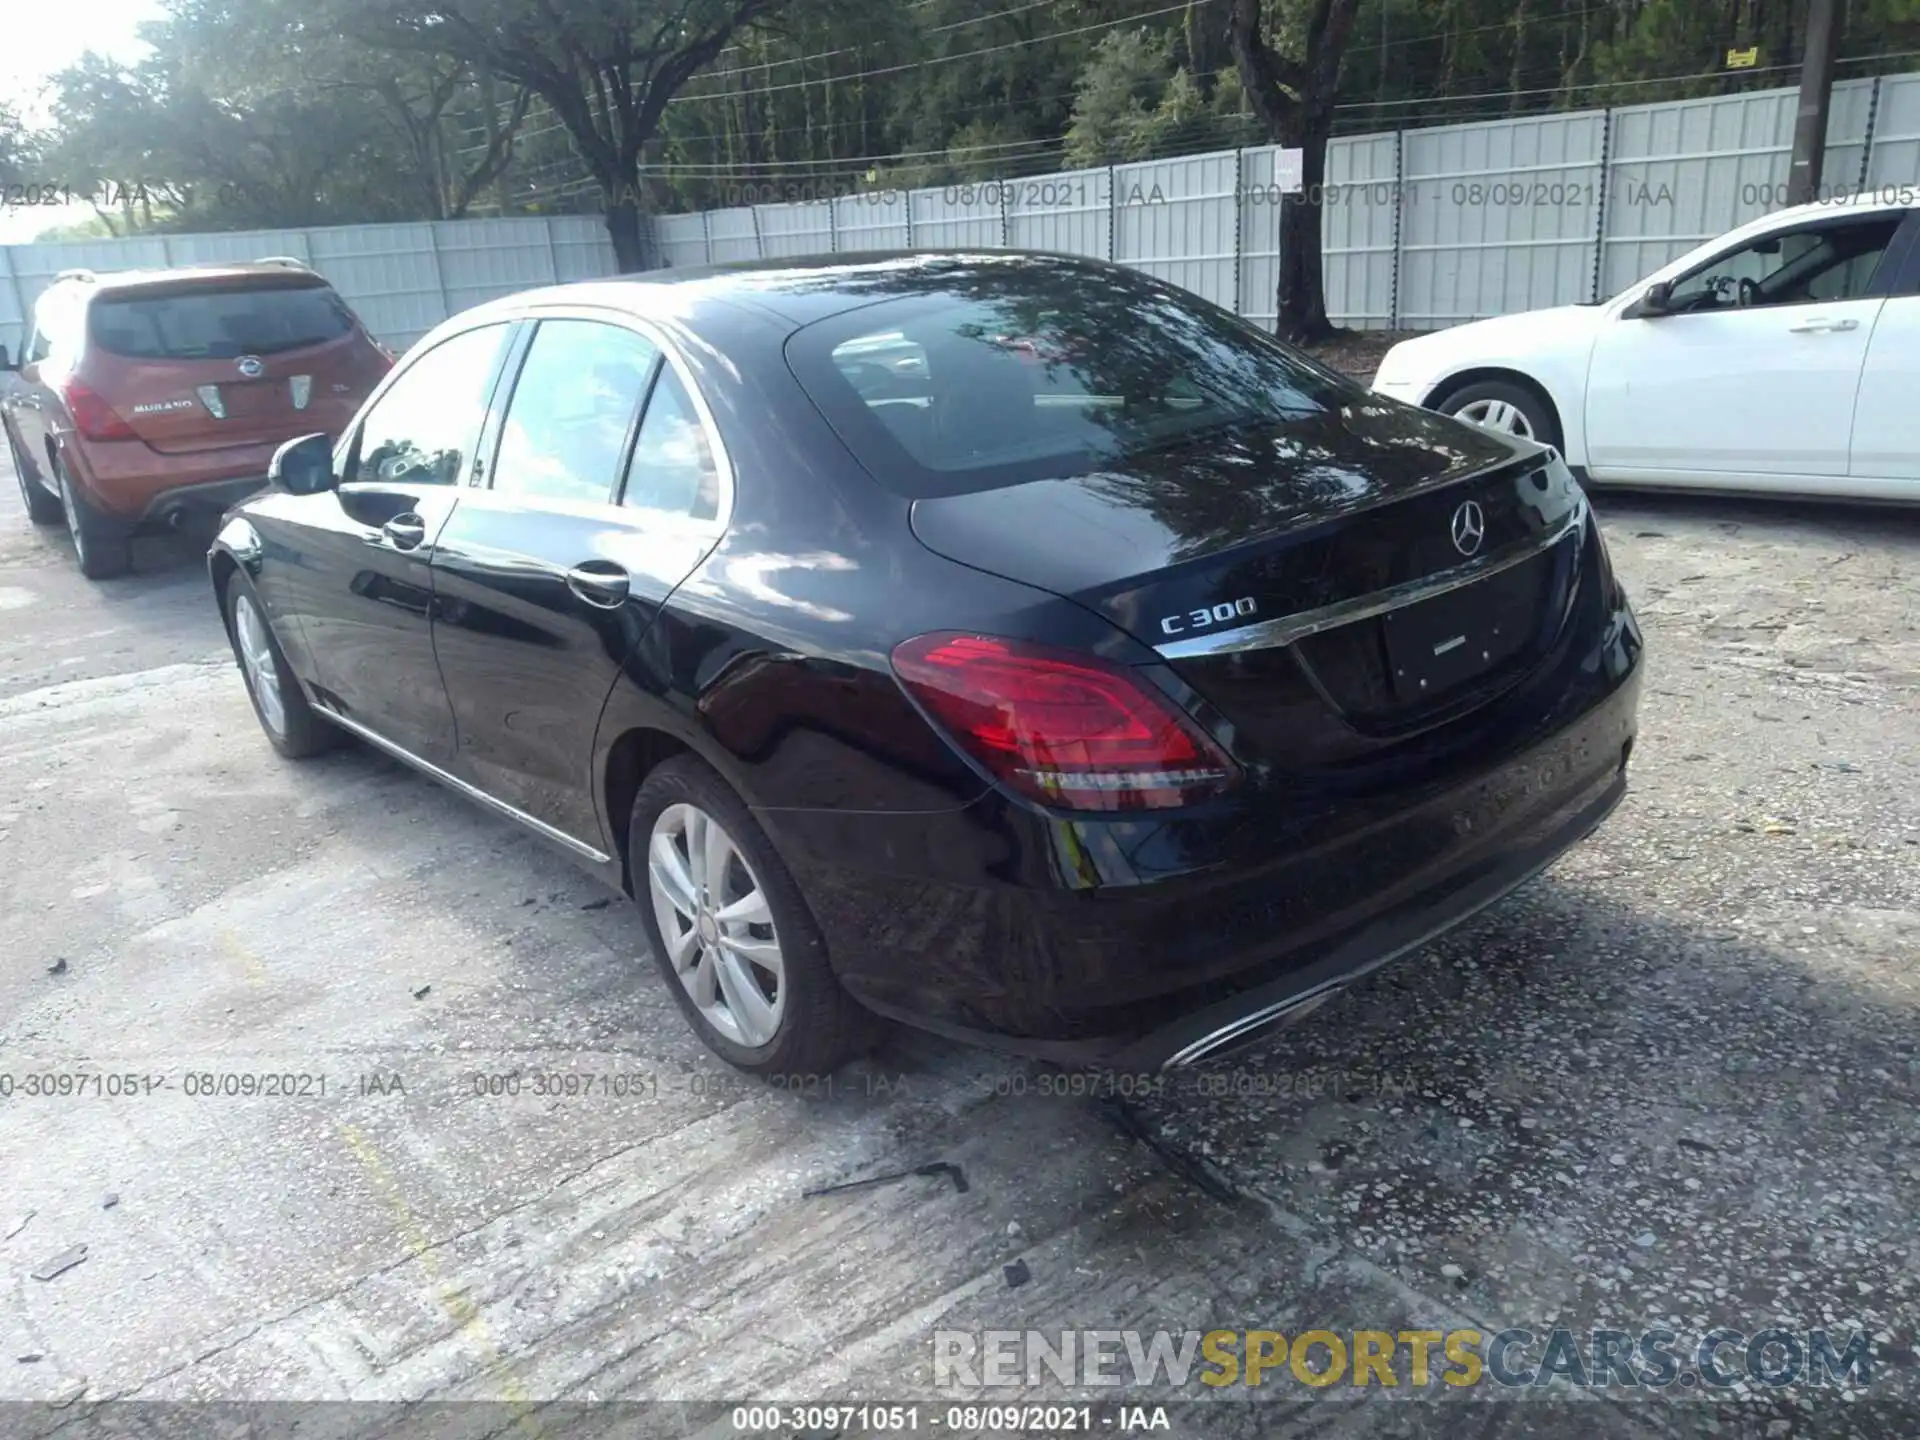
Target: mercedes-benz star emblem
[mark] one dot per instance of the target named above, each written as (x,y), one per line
(1469,527)
(249,366)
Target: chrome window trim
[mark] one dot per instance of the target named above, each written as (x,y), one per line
(454,782)
(1285,629)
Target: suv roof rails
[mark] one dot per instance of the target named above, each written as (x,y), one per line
(78,274)
(292,262)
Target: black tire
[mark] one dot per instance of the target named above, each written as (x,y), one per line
(43,506)
(820,1026)
(1540,421)
(101,544)
(301,731)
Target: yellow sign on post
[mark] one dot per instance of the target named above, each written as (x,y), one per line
(1743,59)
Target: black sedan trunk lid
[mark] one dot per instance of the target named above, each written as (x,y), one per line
(1330,585)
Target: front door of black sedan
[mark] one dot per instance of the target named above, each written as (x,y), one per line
(357,571)
(546,578)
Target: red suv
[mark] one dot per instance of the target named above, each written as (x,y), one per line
(144,395)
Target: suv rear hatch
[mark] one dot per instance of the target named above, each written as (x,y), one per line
(1380,569)
(198,365)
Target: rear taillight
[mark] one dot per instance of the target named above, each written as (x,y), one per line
(92,416)
(1061,728)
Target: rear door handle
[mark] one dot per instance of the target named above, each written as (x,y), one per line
(405,532)
(1809,327)
(599,583)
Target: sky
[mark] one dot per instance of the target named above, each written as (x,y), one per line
(39,38)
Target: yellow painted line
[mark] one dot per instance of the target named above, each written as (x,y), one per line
(249,964)
(457,1305)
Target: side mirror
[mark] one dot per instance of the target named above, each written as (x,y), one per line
(1657,300)
(303,466)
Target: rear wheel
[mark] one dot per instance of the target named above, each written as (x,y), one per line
(735,941)
(293,727)
(102,546)
(1506,407)
(43,506)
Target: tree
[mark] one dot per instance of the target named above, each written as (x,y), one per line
(255,52)
(17,149)
(1113,102)
(607,69)
(1294,100)
(154,145)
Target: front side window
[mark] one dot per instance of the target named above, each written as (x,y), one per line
(423,429)
(673,469)
(998,372)
(566,426)
(1821,263)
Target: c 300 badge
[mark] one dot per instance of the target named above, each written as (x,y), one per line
(1225,613)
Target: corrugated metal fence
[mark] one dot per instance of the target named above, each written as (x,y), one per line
(1423,228)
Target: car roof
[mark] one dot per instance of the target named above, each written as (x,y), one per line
(1890,198)
(797,289)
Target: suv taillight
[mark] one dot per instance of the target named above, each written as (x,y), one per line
(1060,727)
(92,416)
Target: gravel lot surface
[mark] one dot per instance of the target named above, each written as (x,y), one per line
(1670,1083)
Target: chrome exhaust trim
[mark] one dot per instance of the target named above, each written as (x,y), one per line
(1247,1028)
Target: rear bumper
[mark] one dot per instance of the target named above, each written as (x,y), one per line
(1142,943)
(1217,1028)
(130,482)
(210,498)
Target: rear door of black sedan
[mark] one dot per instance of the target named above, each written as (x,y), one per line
(604,485)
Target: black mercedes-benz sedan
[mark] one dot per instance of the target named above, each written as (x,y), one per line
(1013,645)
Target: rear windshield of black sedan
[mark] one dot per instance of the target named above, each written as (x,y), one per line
(1008,372)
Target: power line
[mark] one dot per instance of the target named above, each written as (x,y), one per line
(965,54)
(855,49)
(921,64)
(1604,84)
(1062,95)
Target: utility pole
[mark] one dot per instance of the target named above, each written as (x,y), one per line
(1816,96)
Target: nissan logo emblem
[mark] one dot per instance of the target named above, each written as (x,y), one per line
(249,366)
(1469,527)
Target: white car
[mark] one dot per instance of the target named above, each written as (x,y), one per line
(1783,357)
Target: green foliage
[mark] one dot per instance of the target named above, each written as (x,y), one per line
(17,149)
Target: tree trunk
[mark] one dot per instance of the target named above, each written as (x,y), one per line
(623,228)
(1301,299)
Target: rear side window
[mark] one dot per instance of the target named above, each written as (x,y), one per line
(54,328)
(1010,371)
(218,324)
(672,469)
(572,408)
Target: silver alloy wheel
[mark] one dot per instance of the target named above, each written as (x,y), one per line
(256,658)
(1499,415)
(716,926)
